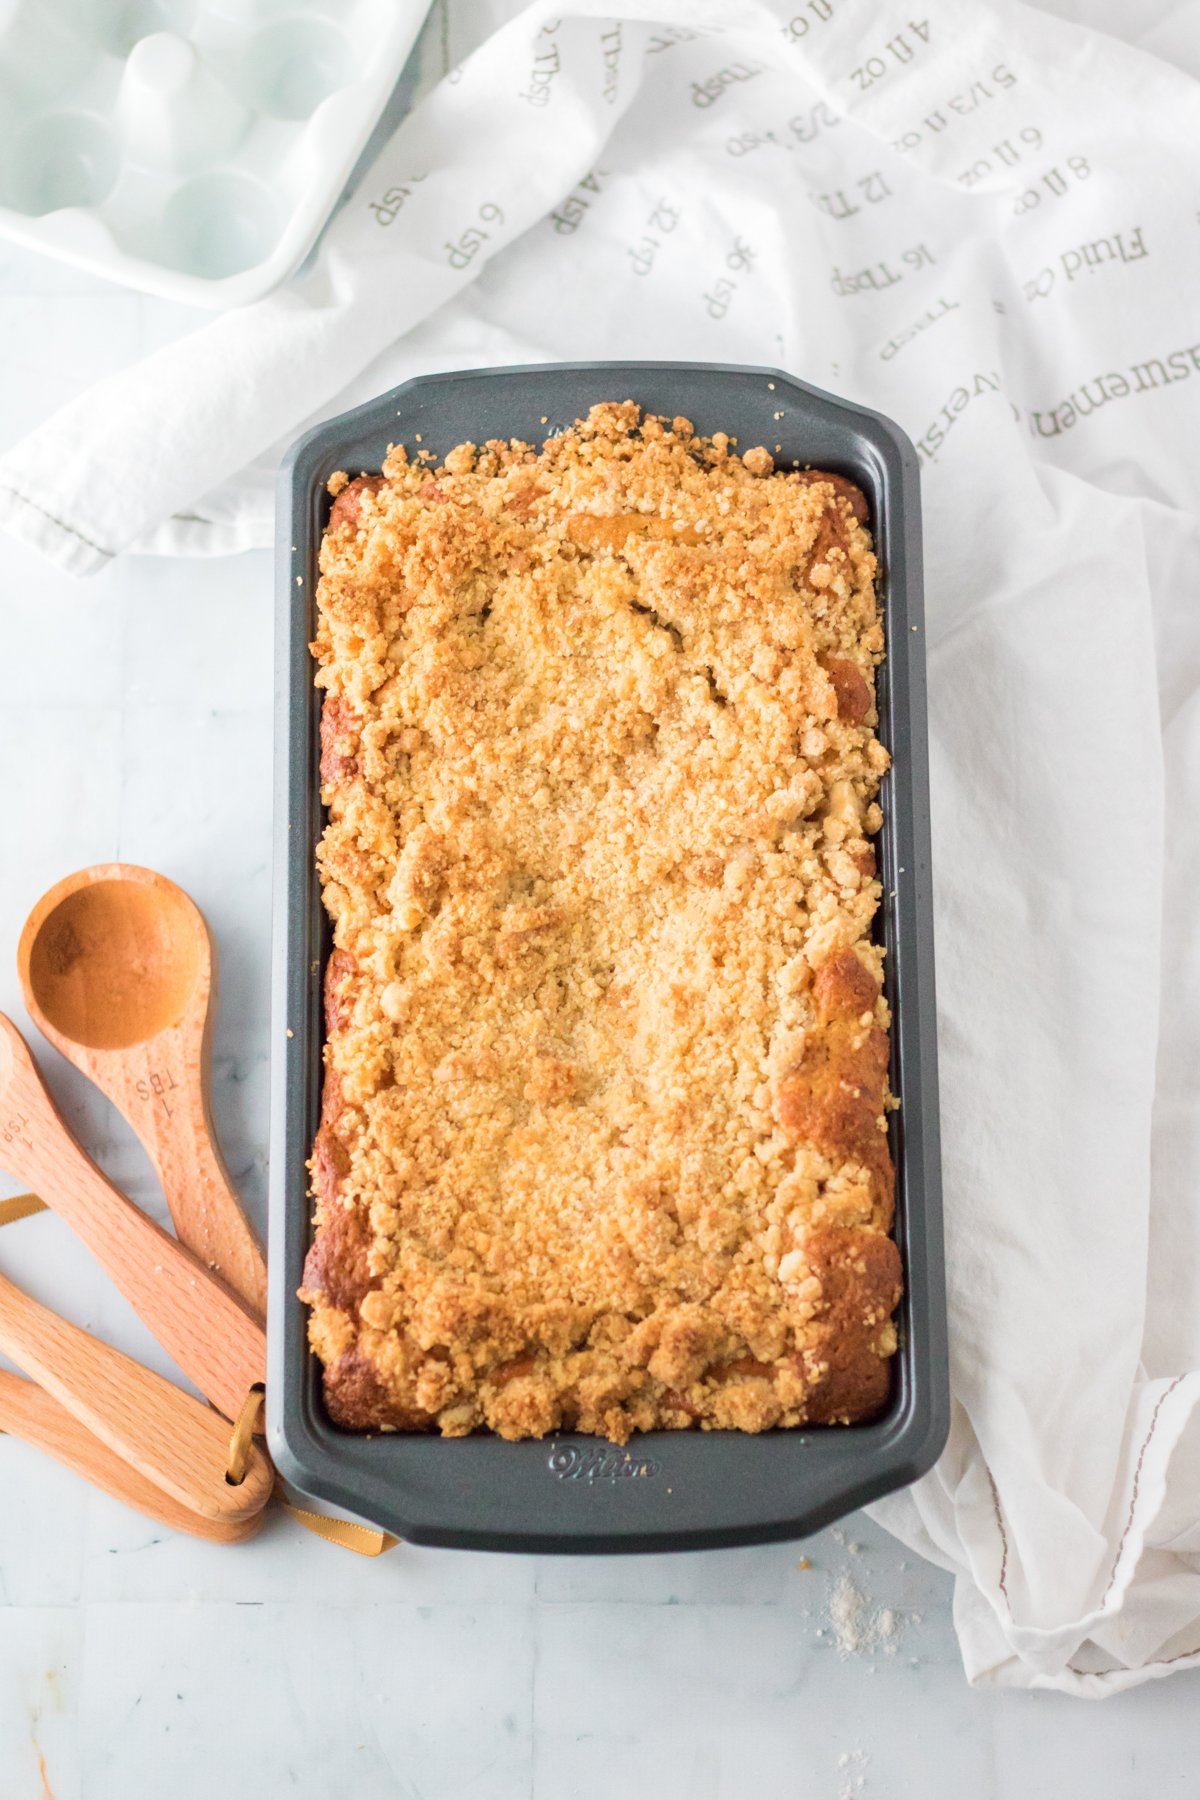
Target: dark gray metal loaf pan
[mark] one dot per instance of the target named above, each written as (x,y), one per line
(666,1490)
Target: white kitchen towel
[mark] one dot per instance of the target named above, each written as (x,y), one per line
(983,221)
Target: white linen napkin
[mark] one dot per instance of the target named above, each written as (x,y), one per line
(976,218)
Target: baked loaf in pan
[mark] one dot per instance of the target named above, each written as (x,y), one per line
(603,1144)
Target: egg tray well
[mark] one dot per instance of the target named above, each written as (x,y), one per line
(190,149)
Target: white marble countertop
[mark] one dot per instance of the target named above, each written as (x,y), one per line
(137,725)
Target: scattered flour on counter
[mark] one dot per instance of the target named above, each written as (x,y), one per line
(858,1627)
(853,1765)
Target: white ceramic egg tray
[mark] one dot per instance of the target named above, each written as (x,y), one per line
(191,149)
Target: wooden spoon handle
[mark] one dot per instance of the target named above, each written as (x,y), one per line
(201,1184)
(176,1442)
(29,1412)
(193,1315)
(162,1089)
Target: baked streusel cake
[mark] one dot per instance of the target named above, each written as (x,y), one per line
(603,1144)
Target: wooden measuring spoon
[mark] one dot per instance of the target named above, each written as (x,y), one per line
(27,1411)
(194,1316)
(174,1441)
(119,971)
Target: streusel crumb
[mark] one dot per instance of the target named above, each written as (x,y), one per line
(603,1143)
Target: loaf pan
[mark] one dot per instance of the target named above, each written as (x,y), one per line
(665,1490)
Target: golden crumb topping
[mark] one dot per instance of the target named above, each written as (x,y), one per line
(603,1143)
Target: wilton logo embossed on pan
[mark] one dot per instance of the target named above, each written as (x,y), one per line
(570,1463)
